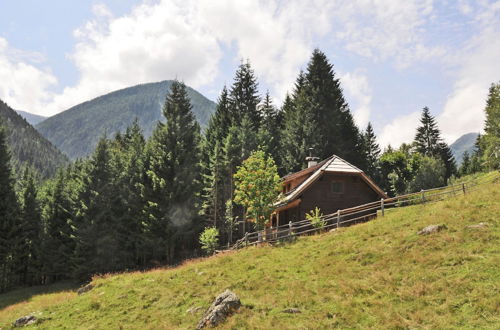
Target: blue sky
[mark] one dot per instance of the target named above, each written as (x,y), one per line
(392,57)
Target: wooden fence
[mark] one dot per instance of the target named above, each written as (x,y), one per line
(361,213)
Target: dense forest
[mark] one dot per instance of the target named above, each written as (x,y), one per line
(85,123)
(28,147)
(139,202)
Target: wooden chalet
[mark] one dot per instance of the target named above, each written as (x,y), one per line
(330,185)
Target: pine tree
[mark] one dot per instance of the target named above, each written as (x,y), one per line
(214,181)
(491,140)
(173,184)
(58,216)
(97,241)
(31,233)
(127,154)
(428,142)
(372,153)
(244,96)
(269,132)
(428,137)
(9,216)
(465,168)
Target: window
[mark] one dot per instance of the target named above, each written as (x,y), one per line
(337,187)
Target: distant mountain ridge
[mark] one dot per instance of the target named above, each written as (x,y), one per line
(31,117)
(464,143)
(28,146)
(77,130)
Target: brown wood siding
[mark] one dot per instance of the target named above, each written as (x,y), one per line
(320,194)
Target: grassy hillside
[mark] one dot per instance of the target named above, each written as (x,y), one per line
(379,275)
(77,130)
(28,147)
(462,144)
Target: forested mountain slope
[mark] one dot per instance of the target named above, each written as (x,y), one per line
(462,144)
(31,117)
(77,130)
(29,147)
(380,274)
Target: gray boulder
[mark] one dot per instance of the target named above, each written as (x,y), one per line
(292,311)
(223,306)
(25,320)
(431,229)
(85,288)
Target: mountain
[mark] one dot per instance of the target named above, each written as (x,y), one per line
(31,117)
(375,275)
(29,147)
(77,130)
(464,143)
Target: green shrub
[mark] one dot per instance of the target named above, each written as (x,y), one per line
(315,217)
(209,239)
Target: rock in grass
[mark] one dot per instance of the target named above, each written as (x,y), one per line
(478,226)
(84,289)
(194,310)
(223,306)
(25,320)
(431,229)
(292,311)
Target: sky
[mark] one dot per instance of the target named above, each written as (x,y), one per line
(392,57)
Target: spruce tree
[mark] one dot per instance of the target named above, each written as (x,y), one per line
(244,96)
(271,125)
(97,240)
(372,153)
(465,168)
(491,140)
(31,233)
(58,240)
(428,142)
(214,181)
(428,137)
(173,184)
(9,216)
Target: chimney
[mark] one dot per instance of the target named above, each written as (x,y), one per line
(311,161)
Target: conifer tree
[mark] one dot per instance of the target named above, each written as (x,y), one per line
(31,233)
(173,159)
(97,245)
(58,241)
(127,153)
(428,142)
(428,137)
(372,153)
(213,168)
(269,132)
(466,164)
(244,96)
(9,216)
(491,140)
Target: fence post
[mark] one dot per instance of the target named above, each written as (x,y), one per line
(338,218)
(423,195)
(382,206)
(246,239)
(290,228)
(463,187)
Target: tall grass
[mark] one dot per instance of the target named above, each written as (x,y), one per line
(379,275)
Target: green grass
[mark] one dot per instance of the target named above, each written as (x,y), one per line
(379,275)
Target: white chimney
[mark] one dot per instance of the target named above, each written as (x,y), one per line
(312,161)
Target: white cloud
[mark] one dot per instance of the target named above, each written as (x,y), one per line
(24,86)
(402,129)
(359,95)
(387,29)
(478,68)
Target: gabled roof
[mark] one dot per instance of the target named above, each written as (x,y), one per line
(333,164)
